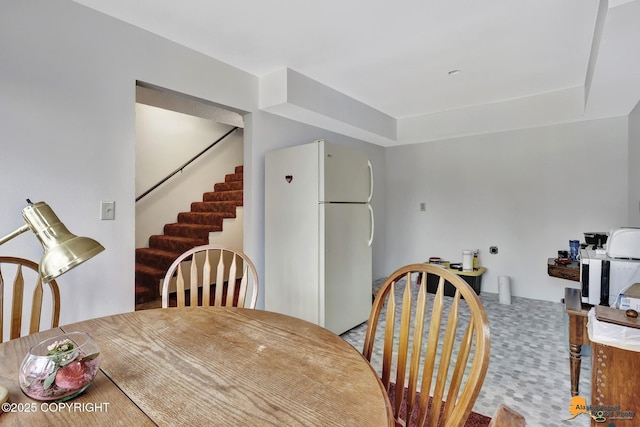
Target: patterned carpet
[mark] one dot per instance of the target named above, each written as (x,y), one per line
(529,367)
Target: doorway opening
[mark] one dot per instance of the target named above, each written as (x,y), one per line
(186,149)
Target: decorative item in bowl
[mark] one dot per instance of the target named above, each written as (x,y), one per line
(60,368)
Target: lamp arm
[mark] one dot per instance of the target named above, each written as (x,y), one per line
(10,236)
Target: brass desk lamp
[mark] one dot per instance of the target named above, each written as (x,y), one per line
(62,249)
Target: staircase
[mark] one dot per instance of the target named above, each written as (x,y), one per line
(192,229)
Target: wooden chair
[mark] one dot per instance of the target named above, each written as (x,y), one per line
(233,281)
(455,359)
(18,265)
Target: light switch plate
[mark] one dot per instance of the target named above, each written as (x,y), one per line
(107,210)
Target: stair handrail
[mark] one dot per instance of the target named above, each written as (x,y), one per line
(187,163)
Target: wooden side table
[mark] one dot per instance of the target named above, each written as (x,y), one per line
(569,271)
(473,278)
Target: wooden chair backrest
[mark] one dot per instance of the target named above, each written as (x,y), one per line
(18,298)
(459,325)
(213,264)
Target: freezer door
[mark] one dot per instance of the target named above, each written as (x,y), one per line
(345,174)
(346,270)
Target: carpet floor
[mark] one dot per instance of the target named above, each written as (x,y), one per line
(529,365)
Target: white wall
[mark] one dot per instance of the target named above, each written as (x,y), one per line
(528,192)
(165,140)
(67,124)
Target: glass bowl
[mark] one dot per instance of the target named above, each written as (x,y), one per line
(60,368)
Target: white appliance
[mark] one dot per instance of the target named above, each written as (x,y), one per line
(318,234)
(602,277)
(624,243)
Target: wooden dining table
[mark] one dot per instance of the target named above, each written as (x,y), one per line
(213,366)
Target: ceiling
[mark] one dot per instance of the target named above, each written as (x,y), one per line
(435,68)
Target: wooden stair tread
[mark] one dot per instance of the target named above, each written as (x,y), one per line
(176,238)
(208,214)
(143,268)
(214,206)
(190,225)
(202,218)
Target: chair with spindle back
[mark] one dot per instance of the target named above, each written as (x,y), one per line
(216,276)
(452,364)
(11,264)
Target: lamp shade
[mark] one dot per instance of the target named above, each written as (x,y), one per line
(62,249)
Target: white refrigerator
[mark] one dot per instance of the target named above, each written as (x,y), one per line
(318,234)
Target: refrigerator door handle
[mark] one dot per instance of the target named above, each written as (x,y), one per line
(370,187)
(371,236)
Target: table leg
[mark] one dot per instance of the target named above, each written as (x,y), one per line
(574,366)
(576,332)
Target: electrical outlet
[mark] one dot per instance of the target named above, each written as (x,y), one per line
(423,206)
(107,210)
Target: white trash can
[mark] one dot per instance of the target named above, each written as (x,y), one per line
(504,290)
